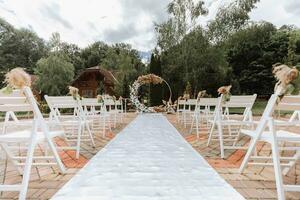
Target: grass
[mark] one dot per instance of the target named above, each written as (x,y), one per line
(259,107)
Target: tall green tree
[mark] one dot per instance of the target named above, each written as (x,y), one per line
(19,48)
(230,18)
(251,54)
(125,64)
(293,57)
(155,91)
(54,75)
(94,54)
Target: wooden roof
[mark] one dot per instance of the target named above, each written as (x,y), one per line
(97,74)
(103,74)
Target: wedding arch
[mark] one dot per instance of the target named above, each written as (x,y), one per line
(142,80)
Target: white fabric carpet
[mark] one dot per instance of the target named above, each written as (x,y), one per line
(148,160)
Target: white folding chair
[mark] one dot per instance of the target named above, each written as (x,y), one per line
(273,132)
(96,111)
(204,112)
(38,133)
(111,109)
(180,109)
(75,124)
(233,123)
(119,109)
(188,112)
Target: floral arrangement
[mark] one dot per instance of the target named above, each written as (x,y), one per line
(100,99)
(17,78)
(149,78)
(201,94)
(169,106)
(75,93)
(186,96)
(225,90)
(144,79)
(288,80)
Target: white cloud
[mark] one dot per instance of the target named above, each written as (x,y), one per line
(277,12)
(83,22)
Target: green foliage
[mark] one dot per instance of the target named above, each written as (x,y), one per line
(23,48)
(126,65)
(230,18)
(94,54)
(182,19)
(293,57)
(251,52)
(197,61)
(73,53)
(19,48)
(155,91)
(54,74)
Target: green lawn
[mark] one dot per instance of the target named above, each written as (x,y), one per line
(259,107)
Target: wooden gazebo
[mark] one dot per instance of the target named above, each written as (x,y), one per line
(89,81)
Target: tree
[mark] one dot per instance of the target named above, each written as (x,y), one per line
(293,57)
(19,48)
(73,53)
(94,54)
(155,91)
(251,52)
(230,18)
(54,74)
(126,65)
(182,19)
(205,64)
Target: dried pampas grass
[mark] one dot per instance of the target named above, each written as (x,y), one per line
(99,99)
(17,78)
(150,78)
(201,94)
(284,75)
(224,89)
(186,96)
(74,92)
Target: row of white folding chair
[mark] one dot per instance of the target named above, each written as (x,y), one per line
(185,111)
(97,112)
(76,125)
(38,133)
(233,123)
(115,109)
(274,132)
(204,112)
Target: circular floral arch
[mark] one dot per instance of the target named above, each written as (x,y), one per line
(142,80)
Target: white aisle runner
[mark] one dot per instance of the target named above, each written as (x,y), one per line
(148,160)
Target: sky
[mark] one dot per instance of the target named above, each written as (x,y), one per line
(131,21)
